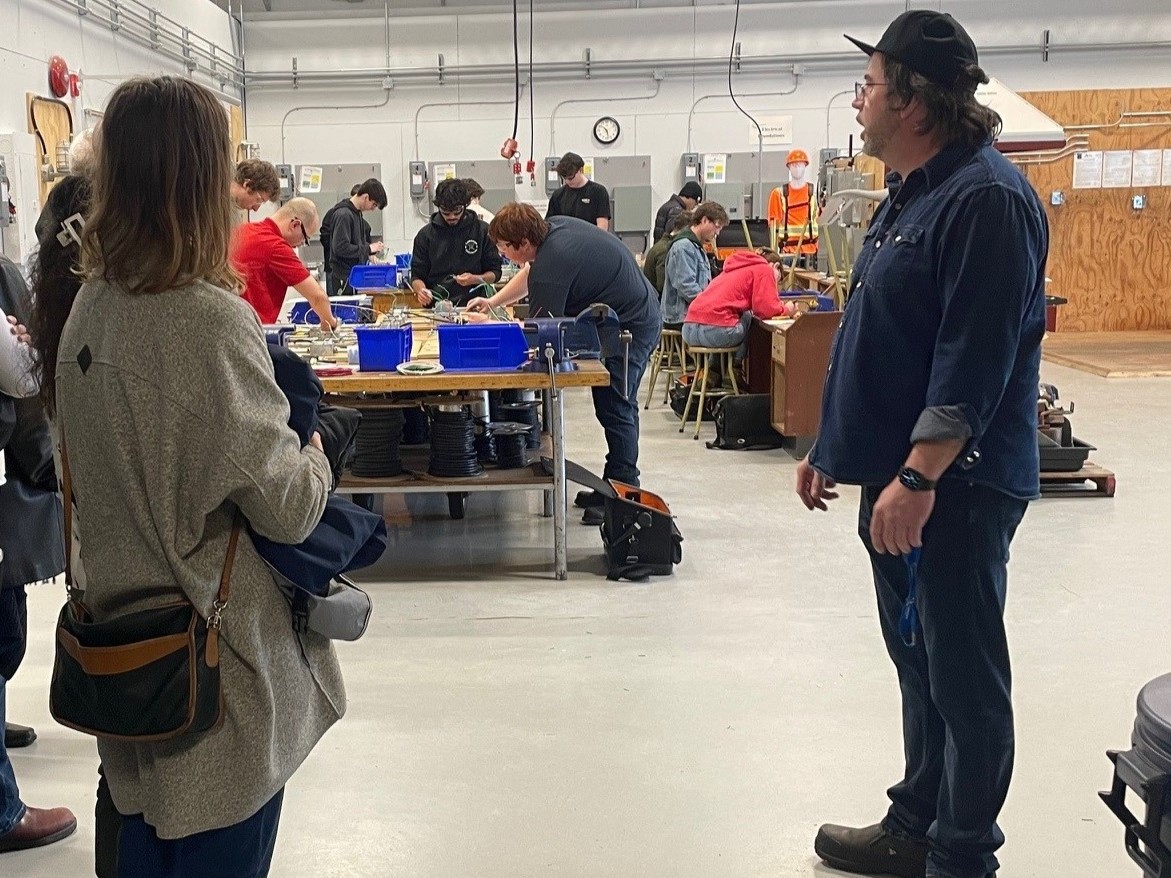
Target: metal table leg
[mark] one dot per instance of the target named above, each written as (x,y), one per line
(547,426)
(561,561)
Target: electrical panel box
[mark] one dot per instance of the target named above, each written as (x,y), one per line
(494,175)
(552,178)
(730,195)
(417,173)
(691,167)
(5,216)
(285,175)
(629,208)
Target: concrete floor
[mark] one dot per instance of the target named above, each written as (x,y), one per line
(503,724)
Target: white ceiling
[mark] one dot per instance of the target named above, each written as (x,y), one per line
(349,8)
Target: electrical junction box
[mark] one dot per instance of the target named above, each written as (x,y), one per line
(285,175)
(18,155)
(552,178)
(417,174)
(691,167)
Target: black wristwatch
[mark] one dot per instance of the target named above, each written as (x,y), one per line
(913,480)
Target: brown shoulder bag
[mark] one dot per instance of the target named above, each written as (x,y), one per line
(142,677)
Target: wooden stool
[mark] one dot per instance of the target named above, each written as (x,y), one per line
(724,356)
(668,359)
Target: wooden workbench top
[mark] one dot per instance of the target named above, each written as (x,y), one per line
(589,373)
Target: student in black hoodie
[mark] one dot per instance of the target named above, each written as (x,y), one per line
(343,236)
(453,254)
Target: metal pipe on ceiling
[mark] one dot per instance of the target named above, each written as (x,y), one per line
(576,70)
(333,107)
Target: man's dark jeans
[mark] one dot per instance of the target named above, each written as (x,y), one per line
(13,638)
(956,680)
(617,411)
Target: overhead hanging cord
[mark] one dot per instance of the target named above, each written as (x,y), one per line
(516,67)
(731,55)
(532,115)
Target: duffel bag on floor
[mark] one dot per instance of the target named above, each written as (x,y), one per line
(745,421)
(678,398)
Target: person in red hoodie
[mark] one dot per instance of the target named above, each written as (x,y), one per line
(747,287)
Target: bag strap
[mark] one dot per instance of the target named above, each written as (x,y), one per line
(221,598)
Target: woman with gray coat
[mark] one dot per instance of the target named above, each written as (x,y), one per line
(173,422)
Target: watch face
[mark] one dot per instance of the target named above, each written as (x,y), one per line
(606,130)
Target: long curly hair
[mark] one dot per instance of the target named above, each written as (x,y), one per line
(56,279)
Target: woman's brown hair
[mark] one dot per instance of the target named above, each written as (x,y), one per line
(162,213)
(772,257)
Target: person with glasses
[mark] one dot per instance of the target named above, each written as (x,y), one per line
(264,255)
(345,241)
(930,406)
(453,256)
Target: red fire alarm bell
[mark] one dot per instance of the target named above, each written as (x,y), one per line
(58,76)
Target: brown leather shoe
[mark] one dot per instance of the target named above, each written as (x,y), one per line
(39,827)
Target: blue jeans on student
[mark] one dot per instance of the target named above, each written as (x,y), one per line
(956,680)
(13,637)
(240,851)
(616,407)
(705,335)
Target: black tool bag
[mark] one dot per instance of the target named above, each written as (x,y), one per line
(745,421)
(639,533)
(677,397)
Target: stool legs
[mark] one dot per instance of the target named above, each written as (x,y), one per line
(656,367)
(690,397)
(707,362)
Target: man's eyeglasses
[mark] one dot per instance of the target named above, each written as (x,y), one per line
(304,234)
(861,88)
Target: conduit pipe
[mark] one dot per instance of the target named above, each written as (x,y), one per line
(285,118)
(423,107)
(553,115)
(724,94)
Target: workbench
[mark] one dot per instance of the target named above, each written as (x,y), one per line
(588,373)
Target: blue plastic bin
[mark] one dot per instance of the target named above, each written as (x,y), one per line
(347,309)
(482,346)
(383,348)
(375,276)
(824,303)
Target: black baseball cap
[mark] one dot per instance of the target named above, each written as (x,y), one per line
(691,190)
(931,43)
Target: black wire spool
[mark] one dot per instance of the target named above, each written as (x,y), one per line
(415,428)
(524,413)
(453,444)
(485,442)
(510,438)
(376,444)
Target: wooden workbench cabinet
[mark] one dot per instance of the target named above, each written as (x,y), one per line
(800,360)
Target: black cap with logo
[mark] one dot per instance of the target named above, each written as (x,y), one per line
(931,43)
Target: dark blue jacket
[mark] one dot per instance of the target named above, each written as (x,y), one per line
(941,336)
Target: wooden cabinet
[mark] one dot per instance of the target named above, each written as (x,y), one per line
(800,357)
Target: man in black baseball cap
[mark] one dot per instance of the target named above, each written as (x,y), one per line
(930,406)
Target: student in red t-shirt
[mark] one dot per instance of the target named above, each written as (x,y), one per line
(263,254)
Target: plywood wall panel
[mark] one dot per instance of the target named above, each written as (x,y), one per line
(1113,263)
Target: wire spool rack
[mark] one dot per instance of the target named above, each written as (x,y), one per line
(376,445)
(453,442)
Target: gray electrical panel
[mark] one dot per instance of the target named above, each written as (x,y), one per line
(691,168)
(288,185)
(629,208)
(552,179)
(742,173)
(336,183)
(5,216)
(495,175)
(628,180)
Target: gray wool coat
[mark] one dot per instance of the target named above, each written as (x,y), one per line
(172,420)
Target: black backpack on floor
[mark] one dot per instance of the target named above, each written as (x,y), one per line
(744,422)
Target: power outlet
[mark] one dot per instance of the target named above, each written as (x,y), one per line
(1057,198)
(1138,202)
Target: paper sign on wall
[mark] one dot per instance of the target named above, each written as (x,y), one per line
(1147,168)
(715,167)
(776,130)
(1167,167)
(588,167)
(444,172)
(310,179)
(1116,169)
(1087,170)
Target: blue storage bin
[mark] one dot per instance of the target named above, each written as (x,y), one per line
(375,276)
(383,348)
(347,309)
(482,346)
(402,260)
(277,333)
(824,303)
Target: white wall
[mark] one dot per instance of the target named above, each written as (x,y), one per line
(32,31)
(657,127)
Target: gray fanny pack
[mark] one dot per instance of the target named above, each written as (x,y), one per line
(341,614)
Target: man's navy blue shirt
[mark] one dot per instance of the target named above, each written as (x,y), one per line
(943,329)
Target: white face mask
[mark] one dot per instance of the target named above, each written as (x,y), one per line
(797,172)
